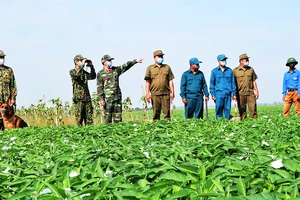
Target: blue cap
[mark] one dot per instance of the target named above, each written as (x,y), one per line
(221,57)
(195,61)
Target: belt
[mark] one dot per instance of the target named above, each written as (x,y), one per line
(292,90)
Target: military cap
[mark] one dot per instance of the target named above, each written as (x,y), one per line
(78,57)
(2,53)
(221,57)
(158,53)
(291,60)
(106,58)
(194,61)
(244,56)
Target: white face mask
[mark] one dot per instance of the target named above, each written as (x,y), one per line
(223,63)
(246,64)
(1,61)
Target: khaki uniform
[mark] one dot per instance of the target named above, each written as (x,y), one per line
(159,78)
(245,91)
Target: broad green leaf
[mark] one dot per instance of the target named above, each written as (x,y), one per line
(176,188)
(218,185)
(143,183)
(181,193)
(291,165)
(283,173)
(234,167)
(20,195)
(187,168)
(136,163)
(295,192)
(241,187)
(131,193)
(203,174)
(175,176)
(53,189)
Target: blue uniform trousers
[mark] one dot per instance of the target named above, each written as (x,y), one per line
(223,105)
(194,107)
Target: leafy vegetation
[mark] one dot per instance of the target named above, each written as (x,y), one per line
(181,159)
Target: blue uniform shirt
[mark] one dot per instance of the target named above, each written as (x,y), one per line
(222,81)
(291,81)
(193,85)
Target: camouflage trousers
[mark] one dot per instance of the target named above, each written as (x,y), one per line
(113,111)
(83,112)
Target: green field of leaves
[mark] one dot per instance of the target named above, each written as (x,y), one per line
(181,159)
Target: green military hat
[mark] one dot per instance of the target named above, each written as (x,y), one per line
(78,57)
(2,53)
(106,58)
(243,56)
(291,60)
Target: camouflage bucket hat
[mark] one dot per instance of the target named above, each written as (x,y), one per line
(106,58)
(2,53)
(291,60)
(78,57)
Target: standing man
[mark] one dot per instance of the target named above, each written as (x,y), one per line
(291,88)
(159,86)
(247,90)
(192,89)
(108,87)
(8,87)
(81,94)
(222,87)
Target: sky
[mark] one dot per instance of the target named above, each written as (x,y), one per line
(41,38)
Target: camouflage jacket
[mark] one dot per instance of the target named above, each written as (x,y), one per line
(80,83)
(108,82)
(8,87)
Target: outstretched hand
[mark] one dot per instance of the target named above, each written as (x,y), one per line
(140,60)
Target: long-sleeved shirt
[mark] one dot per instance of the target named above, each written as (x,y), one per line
(80,79)
(291,81)
(193,85)
(8,87)
(222,81)
(108,87)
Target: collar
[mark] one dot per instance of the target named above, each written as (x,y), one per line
(246,68)
(158,66)
(225,68)
(197,72)
(11,117)
(295,70)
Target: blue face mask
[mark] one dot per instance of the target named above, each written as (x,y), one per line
(109,64)
(159,60)
(223,63)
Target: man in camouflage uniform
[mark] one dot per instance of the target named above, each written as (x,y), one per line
(81,94)
(109,90)
(8,87)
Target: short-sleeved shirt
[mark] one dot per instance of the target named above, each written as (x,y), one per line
(244,80)
(159,78)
